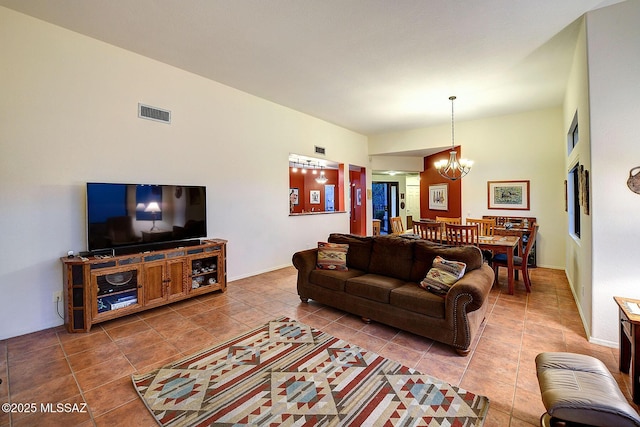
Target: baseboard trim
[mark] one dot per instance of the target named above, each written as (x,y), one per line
(605,343)
(267,270)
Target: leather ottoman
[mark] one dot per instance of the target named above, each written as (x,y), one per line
(580,389)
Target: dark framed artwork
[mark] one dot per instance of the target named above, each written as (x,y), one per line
(508,195)
(584,189)
(294,197)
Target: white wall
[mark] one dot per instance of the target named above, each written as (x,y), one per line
(527,146)
(613,43)
(578,250)
(397,163)
(68,115)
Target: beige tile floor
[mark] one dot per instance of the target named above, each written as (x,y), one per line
(54,366)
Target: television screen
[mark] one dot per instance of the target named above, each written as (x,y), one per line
(120,215)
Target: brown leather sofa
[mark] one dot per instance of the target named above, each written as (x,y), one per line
(381,284)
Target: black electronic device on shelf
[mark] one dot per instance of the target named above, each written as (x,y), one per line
(131,218)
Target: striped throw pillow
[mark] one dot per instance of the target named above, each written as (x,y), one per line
(442,275)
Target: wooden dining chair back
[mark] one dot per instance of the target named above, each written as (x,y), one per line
(519,262)
(500,220)
(428,230)
(376,227)
(447,220)
(459,235)
(397,227)
(486,227)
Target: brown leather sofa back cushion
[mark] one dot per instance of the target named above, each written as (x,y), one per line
(392,256)
(359,253)
(424,253)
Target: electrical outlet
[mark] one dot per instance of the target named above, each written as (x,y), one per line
(57,296)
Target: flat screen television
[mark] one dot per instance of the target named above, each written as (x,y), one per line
(121,216)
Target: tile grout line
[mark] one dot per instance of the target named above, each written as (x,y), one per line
(7,372)
(515,386)
(75,378)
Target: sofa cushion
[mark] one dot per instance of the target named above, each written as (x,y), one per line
(442,275)
(332,279)
(424,252)
(373,287)
(412,297)
(332,256)
(392,256)
(359,253)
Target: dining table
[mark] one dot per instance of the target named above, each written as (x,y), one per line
(506,245)
(519,231)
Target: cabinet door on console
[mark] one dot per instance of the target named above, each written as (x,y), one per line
(154,284)
(177,275)
(115,291)
(207,272)
(164,280)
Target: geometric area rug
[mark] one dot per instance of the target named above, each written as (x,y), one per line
(286,373)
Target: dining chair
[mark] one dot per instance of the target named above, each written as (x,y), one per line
(397,227)
(458,235)
(519,262)
(507,232)
(376,227)
(486,227)
(428,230)
(500,220)
(447,220)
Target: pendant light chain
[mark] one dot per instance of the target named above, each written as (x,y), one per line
(452,98)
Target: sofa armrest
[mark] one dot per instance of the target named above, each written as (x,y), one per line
(305,263)
(466,305)
(470,292)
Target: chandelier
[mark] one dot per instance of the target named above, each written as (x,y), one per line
(321,179)
(453,168)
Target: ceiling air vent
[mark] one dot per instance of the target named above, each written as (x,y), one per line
(321,150)
(153,113)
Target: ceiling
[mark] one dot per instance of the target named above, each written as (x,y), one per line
(372,66)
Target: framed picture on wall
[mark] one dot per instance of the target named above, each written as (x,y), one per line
(294,197)
(508,195)
(314,197)
(439,197)
(358,196)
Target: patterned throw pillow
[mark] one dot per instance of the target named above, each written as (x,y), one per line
(332,256)
(442,275)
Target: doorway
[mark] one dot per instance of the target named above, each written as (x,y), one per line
(413,203)
(385,203)
(358,212)
(329,198)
